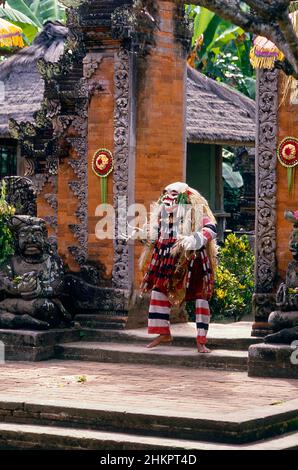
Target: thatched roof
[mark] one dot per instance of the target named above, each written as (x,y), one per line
(215,113)
(23,86)
(218,114)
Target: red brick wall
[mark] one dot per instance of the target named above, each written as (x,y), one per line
(287,126)
(160,136)
(160,117)
(100,135)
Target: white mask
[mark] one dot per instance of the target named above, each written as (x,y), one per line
(169,199)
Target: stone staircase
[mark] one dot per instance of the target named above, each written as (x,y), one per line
(104,321)
(48,426)
(76,424)
(128,346)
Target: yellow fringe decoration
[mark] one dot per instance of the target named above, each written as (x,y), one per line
(145,257)
(262,62)
(264,54)
(10,35)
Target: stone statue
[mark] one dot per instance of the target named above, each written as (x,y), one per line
(32,280)
(285,320)
(21,194)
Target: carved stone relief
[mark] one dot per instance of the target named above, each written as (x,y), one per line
(135,24)
(121,156)
(183,27)
(266,267)
(21,194)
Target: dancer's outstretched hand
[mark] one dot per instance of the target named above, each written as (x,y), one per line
(192,242)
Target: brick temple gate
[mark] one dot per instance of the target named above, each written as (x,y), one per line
(120,85)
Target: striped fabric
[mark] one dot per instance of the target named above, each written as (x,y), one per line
(162,268)
(162,265)
(208,230)
(202,320)
(159,314)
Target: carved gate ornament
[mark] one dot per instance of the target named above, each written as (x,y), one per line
(265,251)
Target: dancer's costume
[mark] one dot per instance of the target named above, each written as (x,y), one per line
(183,258)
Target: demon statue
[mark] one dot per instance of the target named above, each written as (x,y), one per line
(31,280)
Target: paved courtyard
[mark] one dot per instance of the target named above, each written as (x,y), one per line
(140,388)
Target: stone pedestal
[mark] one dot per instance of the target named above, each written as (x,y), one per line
(280,320)
(261,329)
(273,360)
(34,346)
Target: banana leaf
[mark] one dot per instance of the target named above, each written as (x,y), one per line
(232,178)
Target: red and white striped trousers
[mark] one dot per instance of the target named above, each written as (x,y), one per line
(159,316)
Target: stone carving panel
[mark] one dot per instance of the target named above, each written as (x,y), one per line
(80,190)
(121,154)
(21,194)
(266,182)
(184,27)
(135,24)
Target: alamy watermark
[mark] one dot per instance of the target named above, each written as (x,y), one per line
(134,222)
(2,92)
(294,355)
(2,353)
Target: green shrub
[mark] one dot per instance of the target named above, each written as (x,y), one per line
(6,238)
(234,283)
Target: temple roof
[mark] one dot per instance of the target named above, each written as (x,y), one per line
(217,113)
(23,85)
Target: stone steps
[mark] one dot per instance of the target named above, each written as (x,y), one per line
(51,426)
(273,360)
(18,437)
(103,321)
(240,343)
(235,429)
(162,355)
(23,345)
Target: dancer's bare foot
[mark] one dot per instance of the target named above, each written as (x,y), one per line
(161,339)
(202,349)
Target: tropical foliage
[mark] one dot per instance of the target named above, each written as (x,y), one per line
(30,15)
(6,238)
(234,282)
(224,52)
(269,18)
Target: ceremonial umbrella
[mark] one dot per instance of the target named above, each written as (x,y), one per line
(264,53)
(10,35)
